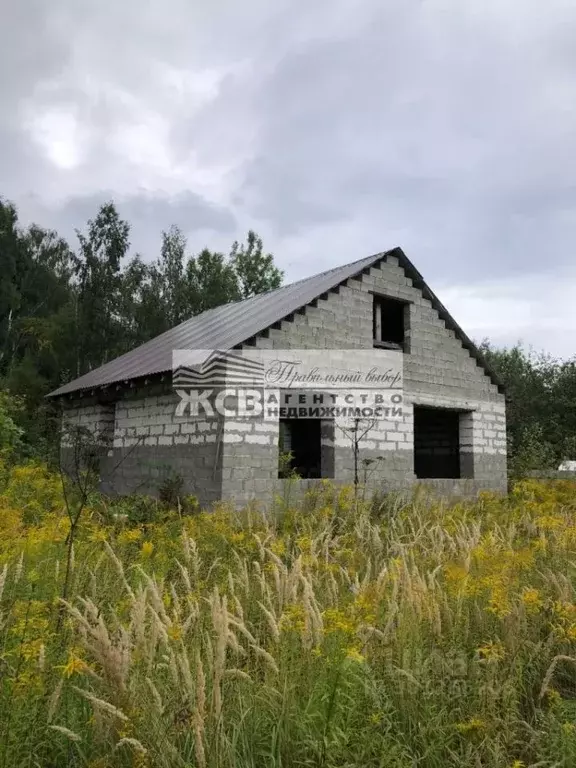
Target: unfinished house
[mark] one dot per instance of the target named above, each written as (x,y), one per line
(378,313)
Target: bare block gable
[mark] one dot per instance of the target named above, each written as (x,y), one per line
(437,362)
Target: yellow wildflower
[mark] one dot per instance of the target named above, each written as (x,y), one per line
(354,654)
(549,522)
(147,549)
(492,652)
(472,725)
(565,611)
(531,600)
(293,618)
(455,573)
(335,620)
(98,534)
(499,600)
(73,666)
(129,536)
(174,632)
(278,546)
(304,543)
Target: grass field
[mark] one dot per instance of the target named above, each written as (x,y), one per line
(337,633)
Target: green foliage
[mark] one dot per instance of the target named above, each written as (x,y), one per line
(140,510)
(171,490)
(541,407)
(286,470)
(10,433)
(135,509)
(98,269)
(179,287)
(255,271)
(65,311)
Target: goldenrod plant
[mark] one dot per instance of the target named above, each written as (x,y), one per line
(408,633)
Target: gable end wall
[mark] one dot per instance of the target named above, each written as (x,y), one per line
(438,372)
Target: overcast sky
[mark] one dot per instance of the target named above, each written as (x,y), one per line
(335,129)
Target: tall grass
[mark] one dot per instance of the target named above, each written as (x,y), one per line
(338,633)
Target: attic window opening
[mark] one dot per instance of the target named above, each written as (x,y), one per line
(390,320)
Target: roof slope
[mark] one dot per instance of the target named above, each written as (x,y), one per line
(231,324)
(221,328)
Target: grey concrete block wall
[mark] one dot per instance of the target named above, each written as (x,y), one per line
(152,446)
(237,459)
(91,415)
(438,372)
(87,434)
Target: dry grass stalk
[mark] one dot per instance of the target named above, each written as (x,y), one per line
(157,699)
(312,611)
(272,623)
(100,705)
(138,618)
(241,627)
(267,657)
(242,574)
(119,567)
(200,687)
(234,644)
(238,607)
(114,659)
(129,741)
(186,673)
(176,607)
(54,700)
(18,569)
(199,715)
(220,620)
(185,576)
(66,732)
(237,674)
(3,576)
(550,672)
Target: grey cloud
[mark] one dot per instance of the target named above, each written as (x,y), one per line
(334,129)
(147,215)
(447,131)
(30,52)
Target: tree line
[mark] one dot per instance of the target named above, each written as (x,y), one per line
(540,406)
(67,308)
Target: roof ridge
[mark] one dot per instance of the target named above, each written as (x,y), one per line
(332,269)
(296,282)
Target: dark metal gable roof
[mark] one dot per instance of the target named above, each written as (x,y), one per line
(232,324)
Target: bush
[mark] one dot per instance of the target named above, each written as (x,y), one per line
(11,444)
